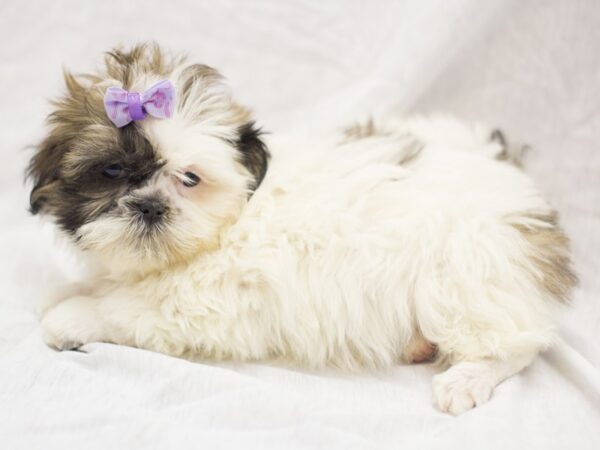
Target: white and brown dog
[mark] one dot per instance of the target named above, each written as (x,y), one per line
(380,244)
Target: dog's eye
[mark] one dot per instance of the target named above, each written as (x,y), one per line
(191,179)
(112,171)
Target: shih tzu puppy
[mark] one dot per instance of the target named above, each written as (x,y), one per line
(393,240)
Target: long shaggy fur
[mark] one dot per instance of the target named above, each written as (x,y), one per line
(383,243)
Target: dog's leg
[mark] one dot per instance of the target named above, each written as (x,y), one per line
(470,383)
(118,317)
(487,335)
(488,308)
(175,319)
(486,339)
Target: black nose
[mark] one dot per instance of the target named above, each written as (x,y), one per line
(152,210)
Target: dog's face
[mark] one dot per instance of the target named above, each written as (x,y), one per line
(154,192)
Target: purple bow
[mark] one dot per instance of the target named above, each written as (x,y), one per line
(122,107)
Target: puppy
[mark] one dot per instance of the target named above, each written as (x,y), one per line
(383,243)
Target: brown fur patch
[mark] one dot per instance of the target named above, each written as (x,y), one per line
(548,252)
(144,58)
(364,130)
(511,153)
(189,79)
(240,114)
(361,131)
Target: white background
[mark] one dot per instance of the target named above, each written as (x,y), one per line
(531,68)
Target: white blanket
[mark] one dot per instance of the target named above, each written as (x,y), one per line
(530,68)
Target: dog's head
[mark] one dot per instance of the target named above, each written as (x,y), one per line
(156,191)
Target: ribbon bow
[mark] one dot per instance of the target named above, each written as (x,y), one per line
(123,107)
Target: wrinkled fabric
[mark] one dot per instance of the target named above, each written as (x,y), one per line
(531,69)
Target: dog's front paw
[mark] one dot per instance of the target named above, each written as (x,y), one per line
(71,324)
(462,387)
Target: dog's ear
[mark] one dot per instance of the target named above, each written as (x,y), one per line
(196,85)
(72,113)
(44,172)
(255,155)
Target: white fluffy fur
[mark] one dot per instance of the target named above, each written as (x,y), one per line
(342,257)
